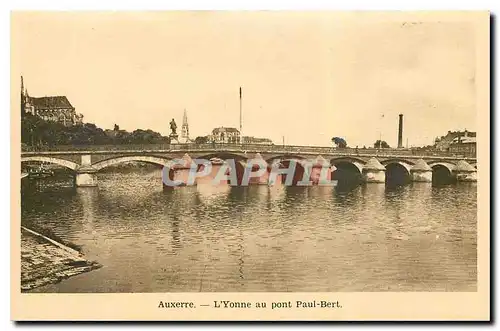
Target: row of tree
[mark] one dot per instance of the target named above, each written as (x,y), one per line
(201,140)
(38,132)
(342,143)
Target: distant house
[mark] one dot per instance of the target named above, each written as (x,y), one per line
(443,143)
(463,145)
(224,135)
(50,108)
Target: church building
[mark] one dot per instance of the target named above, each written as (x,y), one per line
(185,130)
(51,108)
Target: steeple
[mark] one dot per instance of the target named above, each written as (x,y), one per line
(27,100)
(185,128)
(23,110)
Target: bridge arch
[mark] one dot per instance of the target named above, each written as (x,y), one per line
(442,172)
(342,161)
(64,163)
(448,165)
(397,171)
(407,164)
(141,158)
(349,171)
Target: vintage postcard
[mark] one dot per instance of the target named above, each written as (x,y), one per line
(239,165)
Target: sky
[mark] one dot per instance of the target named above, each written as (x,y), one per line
(306,76)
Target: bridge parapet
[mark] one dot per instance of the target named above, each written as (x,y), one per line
(372,166)
(242,148)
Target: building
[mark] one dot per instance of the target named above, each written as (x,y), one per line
(463,146)
(50,108)
(184,139)
(224,135)
(443,143)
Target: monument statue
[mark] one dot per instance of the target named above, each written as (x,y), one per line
(173,127)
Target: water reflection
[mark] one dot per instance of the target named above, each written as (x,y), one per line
(370,238)
(176,238)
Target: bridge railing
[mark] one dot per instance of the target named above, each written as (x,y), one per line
(71,148)
(250,148)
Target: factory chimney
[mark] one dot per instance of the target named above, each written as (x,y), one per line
(400,131)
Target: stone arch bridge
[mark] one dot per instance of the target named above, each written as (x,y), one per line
(371,164)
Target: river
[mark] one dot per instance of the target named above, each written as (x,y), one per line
(254,239)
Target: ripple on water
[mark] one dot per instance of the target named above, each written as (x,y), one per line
(413,238)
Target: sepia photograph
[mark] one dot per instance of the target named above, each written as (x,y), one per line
(249,152)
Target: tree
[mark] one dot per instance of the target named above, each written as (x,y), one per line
(339,142)
(201,140)
(35,132)
(116,127)
(381,144)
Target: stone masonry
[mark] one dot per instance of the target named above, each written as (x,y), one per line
(45,261)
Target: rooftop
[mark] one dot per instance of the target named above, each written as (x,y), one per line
(223,129)
(461,133)
(53,102)
(464,140)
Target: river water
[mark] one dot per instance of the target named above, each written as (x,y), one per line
(370,238)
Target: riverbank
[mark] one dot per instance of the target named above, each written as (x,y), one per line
(45,261)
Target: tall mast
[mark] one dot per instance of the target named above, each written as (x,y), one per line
(241,133)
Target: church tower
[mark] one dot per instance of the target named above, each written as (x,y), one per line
(23,100)
(185,128)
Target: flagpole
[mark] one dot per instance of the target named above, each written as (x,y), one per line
(241,132)
(380,130)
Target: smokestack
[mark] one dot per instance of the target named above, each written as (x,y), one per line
(400,131)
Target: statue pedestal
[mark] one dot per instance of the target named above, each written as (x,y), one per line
(174,138)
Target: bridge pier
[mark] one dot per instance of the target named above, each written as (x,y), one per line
(259,180)
(180,172)
(321,171)
(86,178)
(464,172)
(421,172)
(373,171)
(85,174)
(254,166)
(274,177)
(216,166)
